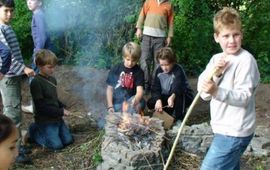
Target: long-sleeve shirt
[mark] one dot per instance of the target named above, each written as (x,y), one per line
(39,29)
(233,107)
(168,83)
(5,58)
(8,37)
(47,107)
(156,18)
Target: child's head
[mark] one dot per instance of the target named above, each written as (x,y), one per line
(34,4)
(166,59)
(46,61)
(6,11)
(227,18)
(8,139)
(131,54)
(228,30)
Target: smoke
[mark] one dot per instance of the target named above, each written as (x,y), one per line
(91,33)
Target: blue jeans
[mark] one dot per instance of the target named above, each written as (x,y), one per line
(225,152)
(51,135)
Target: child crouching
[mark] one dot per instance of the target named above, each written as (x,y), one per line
(125,82)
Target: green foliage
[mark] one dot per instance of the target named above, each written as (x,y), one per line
(92,33)
(256,20)
(193,37)
(21,24)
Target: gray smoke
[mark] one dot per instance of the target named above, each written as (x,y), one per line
(91,33)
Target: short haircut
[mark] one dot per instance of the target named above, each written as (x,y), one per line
(45,57)
(6,127)
(132,50)
(166,53)
(227,18)
(7,3)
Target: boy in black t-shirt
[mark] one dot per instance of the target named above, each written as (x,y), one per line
(125,82)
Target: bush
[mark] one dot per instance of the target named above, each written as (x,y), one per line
(193,38)
(22,27)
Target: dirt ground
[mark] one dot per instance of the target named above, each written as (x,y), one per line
(83,91)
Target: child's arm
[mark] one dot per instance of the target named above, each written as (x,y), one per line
(40,36)
(141,19)
(170,26)
(156,87)
(178,86)
(5,59)
(9,38)
(138,96)
(109,95)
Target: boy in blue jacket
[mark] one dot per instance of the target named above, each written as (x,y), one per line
(5,59)
(40,36)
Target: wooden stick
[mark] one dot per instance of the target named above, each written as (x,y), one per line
(151,110)
(195,100)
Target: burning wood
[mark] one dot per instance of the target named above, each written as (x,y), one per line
(132,142)
(134,130)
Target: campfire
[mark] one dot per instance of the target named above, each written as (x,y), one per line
(132,141)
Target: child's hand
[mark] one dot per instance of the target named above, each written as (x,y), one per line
(209,86)
(168,41)
(110,110)
(134,102)
(29,72)
(221,65)
(158,106)
(66,112)
(171,100)
(139,33)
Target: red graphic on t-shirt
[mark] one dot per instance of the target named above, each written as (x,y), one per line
(127,80)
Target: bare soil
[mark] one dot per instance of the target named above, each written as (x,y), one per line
(83,91)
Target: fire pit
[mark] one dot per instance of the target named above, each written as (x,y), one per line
(132,142)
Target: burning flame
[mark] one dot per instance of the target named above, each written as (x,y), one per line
(125,106)
(126,121)
(131,122)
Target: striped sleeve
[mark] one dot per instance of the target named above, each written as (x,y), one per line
(8,37)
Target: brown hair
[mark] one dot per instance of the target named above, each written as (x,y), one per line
(227,17)
(166,53)
(7,3)
(133,50)
(44,57)
(6,127)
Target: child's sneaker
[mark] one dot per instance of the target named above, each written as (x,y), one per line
(23,159)
(25,150)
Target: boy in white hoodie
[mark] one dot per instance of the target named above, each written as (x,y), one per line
(232,94)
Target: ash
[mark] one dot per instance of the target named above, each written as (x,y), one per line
(132,142)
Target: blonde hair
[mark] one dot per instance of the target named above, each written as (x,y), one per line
(227,18)
(45,57)
(132,50)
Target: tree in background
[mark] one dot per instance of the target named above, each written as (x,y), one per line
(22,27)
(256,18)
(193,38)
(91,32)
